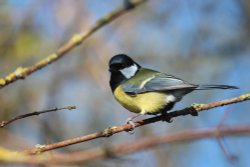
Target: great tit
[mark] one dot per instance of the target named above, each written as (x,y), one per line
(146,91)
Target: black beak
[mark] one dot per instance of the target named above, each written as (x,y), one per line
(111,70)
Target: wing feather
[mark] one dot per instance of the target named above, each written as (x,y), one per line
(159,82)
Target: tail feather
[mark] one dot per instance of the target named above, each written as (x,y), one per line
(205,87)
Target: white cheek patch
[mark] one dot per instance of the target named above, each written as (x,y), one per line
(129,71)
(170,98)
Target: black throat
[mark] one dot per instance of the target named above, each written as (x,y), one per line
(116,79)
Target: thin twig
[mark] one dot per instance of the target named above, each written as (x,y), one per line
(117,150)
(221,141)
(77,39)
(4,123)
(223,118)
(113,130)
(231,157)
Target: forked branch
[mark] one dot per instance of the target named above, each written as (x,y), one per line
(193,110)
(117,150)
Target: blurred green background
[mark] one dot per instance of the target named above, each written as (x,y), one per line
(203,42)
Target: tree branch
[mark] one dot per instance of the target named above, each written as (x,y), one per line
(114,151)
(77,39)
(193,110)
(147,143)
(4,123)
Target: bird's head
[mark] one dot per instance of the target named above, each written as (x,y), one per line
(124,65)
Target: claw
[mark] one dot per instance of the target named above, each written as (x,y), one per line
(130,121)
(167,118)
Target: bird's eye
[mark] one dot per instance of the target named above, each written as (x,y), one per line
(122,65)
(118,66)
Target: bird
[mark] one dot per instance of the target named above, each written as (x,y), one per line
(146,91)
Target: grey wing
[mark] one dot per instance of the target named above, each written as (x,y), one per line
(160,82)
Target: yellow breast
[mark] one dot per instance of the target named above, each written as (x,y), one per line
(145,103)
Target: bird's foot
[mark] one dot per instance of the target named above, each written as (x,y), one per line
(167,118)
(130,121)
(195,109)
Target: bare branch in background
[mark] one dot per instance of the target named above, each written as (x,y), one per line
(114,151)
(4,123)
(113,130)
(77,39)
(221,141)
